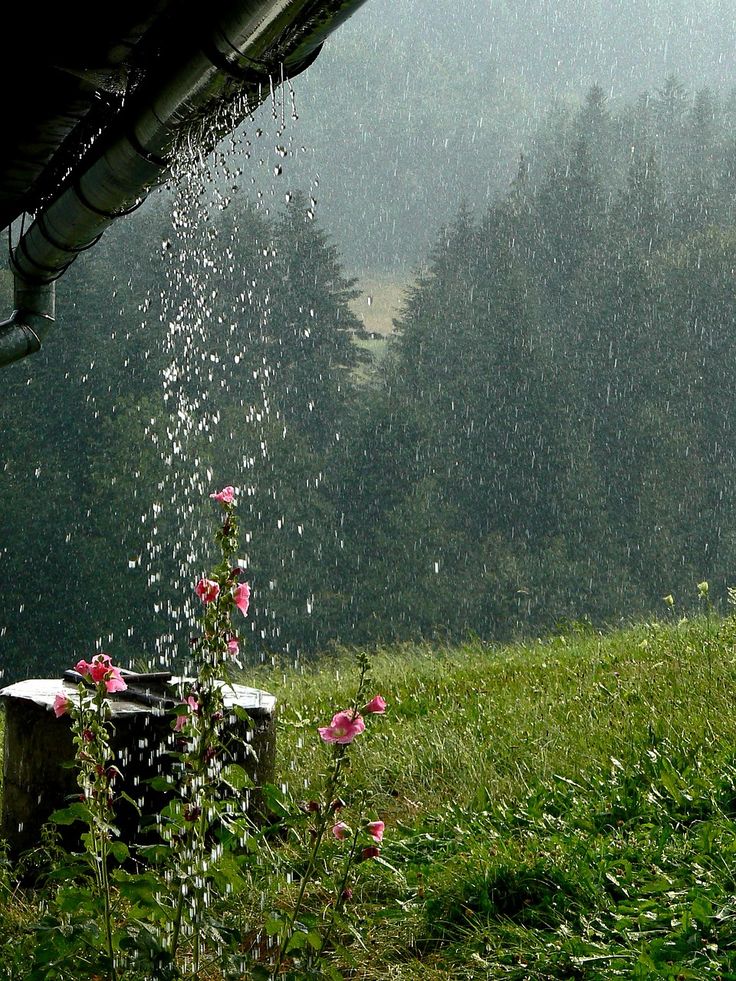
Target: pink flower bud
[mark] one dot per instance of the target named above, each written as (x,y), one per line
(341,831)
(376,706)
(207,590)
(61,704)
(233,646)
(241,596)
(347,894)
(225,496)
(375,830)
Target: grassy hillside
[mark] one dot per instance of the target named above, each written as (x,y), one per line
(561,809)
(380,302)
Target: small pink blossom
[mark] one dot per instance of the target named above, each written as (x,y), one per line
(375,830)
(61,705)
(344,727)
(241,596)
(233,646)
(376,706)
(181,720)
(83,668)
(341,831)
(372,851)
(114,682)
(225,496)
(207,590)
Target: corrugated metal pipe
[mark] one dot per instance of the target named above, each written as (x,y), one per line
(252,46)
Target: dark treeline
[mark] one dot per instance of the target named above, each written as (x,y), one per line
(551,435)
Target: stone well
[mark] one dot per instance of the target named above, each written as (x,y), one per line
(37,745)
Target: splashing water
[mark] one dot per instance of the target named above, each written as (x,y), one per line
(202,337)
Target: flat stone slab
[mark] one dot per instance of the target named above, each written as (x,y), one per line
(43,691)
(38,745)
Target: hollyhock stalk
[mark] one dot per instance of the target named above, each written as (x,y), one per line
(90,716)
(199,723)
(325,815)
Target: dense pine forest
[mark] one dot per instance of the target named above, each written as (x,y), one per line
(549,436)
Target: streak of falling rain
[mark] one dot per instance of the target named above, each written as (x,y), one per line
(194,386)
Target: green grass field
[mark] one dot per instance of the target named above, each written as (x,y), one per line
(557,809)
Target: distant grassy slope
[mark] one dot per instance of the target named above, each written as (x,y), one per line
(381,300)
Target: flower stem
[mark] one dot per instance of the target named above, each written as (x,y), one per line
(324,818)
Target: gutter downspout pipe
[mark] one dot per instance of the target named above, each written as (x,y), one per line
(252,46)
(34,314)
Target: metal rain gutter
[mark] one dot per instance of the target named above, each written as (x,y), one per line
(252,46)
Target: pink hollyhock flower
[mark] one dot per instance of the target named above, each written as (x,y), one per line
(207,590)
(233,646)
(341,831)
(370,852)
(114,681)
(375,830)
(225,496)
(241,595)
(376,706)
(61,705)
(344,727)
(101,669)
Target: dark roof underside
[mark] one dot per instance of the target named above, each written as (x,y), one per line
(64,79)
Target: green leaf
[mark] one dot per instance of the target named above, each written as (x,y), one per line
(160,783)
(119,851)
(240,713)
(275,800)
(236,777)
(129,799)
(273,926)
(297,941)
(74,812)
(74,899)
(143,889)
(702,910)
